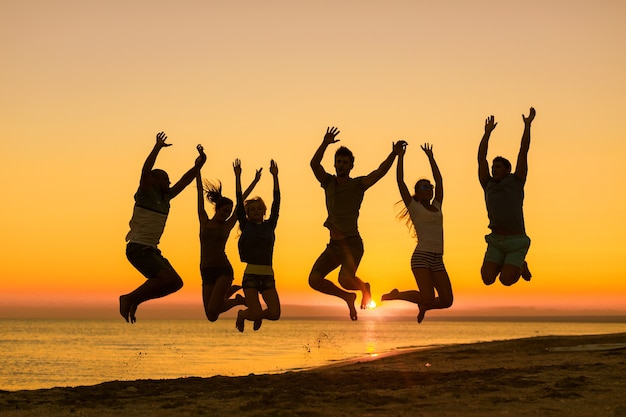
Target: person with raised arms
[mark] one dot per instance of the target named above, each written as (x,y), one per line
(152,206)
(507,244)
(344,196)
(423,215)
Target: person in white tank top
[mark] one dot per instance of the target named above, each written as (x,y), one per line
(152,205)
(422,212)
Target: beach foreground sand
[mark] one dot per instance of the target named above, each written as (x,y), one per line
(542,376)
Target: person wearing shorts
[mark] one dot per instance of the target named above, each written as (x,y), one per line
(423,215)
(256,249)
(152,206)
(507,244)
(215,268)
(344,196)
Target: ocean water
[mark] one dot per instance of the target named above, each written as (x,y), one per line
(38,354)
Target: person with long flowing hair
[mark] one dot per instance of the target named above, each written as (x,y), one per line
(423,214)
(215,268)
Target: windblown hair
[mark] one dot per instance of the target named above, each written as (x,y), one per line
(214,195)
(343,151)
(403,211)
(403,216)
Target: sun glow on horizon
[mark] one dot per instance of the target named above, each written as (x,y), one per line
(81,105)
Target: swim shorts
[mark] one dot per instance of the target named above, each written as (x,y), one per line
(147,259)
(345,252)
(258,282)
(429,260)
(212,273)
(509,250)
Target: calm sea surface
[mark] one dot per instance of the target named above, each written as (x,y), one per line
(57,353)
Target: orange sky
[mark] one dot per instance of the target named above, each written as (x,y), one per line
(86,86)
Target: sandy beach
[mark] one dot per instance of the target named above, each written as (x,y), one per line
(542,376)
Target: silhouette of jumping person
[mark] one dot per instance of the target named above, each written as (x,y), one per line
(256,249)
(344,196)
(507,244)
(215,268)
(423,213)
(152,206)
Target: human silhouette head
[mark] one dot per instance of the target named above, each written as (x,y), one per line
(423,190)
(500,168)
(223,205)
(255,209)
(344,161)
(161,179)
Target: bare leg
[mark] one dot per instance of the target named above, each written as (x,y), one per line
(441,282)
(239,323)
(489,272)
(254,311)
(425,298)
(319,283)
(510,274)
(366,299)
(272,312)
(232,290)
(125,307)
(526,272)
(214,297)
(233,302)
(166,282)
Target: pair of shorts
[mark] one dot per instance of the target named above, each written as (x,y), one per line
(147,259)
(509,250)
(258,282)
(429,260)
(345,252)
(212,273)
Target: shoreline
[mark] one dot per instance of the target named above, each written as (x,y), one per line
(544,375)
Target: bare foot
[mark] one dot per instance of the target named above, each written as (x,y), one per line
(421,314)
(257,324)
(525,272)
(350,301)
(240,321)
(131,314)
(367,297)
(241,301)
(125,307)
(232,290)
(391,295)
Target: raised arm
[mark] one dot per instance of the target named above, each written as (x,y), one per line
(276,200)
(240,210)
(186,179)
(316,161)
(428,150)
(483,165)
(373,177)
(146,171)
(202,215)
(255,181)
(521,168)
(404,190)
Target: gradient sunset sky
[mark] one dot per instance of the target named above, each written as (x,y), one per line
(86,85)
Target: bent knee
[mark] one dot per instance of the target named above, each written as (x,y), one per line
(510,275)
(212,316)
(508,280)
(273,315)
(488,276)
(315,280)
(349,282)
